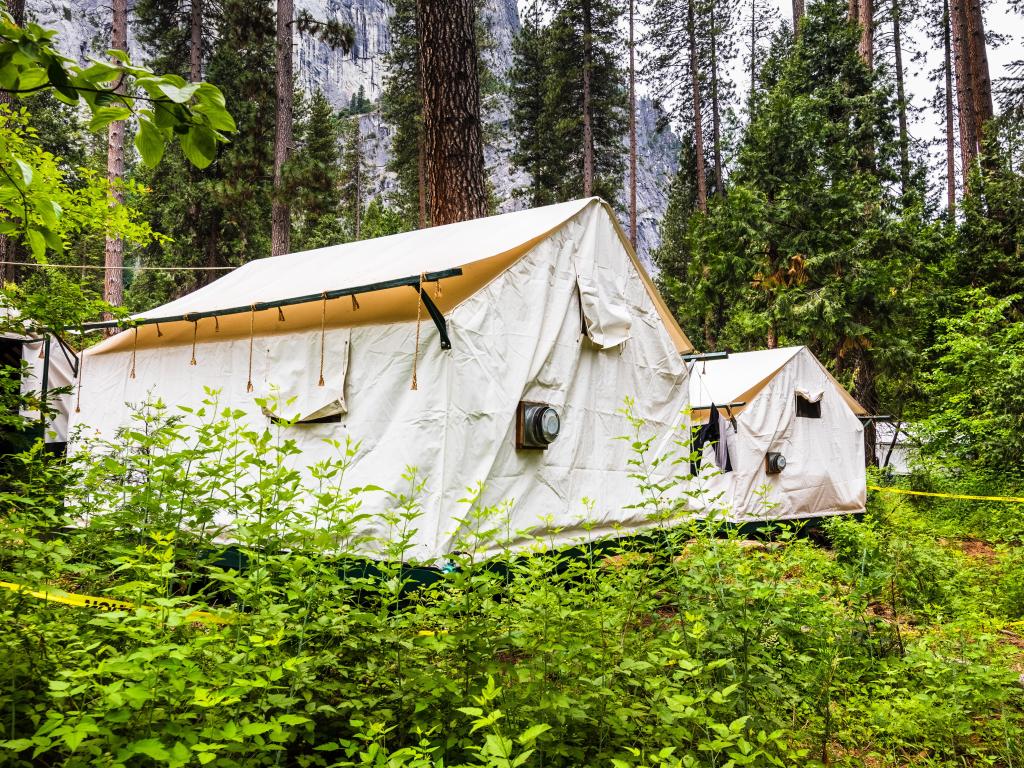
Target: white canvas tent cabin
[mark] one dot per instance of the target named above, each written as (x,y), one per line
(547,306)
(47,363)
(778,402)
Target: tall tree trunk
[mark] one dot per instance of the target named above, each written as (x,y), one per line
(195,51)
(452,125)
(978,55)
(421,179)
(716,118)
(901,97)
(964,90)
(113,260)
(950,131)
(865,392)
(280,212)
(632,132)
(753,49)
(866,19)
(798,13)
(698,133)
(588,128)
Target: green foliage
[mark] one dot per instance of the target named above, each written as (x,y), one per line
(166,107)
(50,205)
(546,90)
(686,647)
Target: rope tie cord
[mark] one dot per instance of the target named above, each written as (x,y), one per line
(195,332)
(135,346)
(216,324)
(437,289)
(323,333)
(355,303)
(158,331)
(78,390)
(280,315)
(419,316)
(252,321)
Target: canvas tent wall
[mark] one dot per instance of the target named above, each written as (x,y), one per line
(779,401)
(892,447)
(548,305)
(47,364)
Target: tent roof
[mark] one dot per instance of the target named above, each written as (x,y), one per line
(740,377)
(480,248)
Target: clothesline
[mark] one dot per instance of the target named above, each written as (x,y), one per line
(134,269)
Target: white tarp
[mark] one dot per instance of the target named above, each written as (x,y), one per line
(824,472)
(517,337)
(59,375)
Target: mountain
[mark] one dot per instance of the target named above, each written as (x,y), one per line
(82,25)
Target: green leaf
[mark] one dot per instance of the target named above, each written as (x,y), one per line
(179,95)
(199,146)
(104,116)
(37,244)
(150,142)
(26,170)
(531,733)
(150,748)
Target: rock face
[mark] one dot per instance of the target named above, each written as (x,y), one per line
(84,29)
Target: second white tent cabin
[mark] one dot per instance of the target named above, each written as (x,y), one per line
(792,445)
(459,350)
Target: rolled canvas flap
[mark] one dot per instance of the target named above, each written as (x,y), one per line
(606,316)
(291,375)
(810,395)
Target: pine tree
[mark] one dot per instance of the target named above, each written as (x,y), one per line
(531,120)
(687,72)
(353,176)
(312,175)
(569,129)
(401,108)
(217,217)
(812,244)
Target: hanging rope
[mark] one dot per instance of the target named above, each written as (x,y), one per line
(355,303)
(252,321)
(158,331)
(323,331)
(135,346)
(437,289)
(280,315)
(419,315)
(195,332)
(216,324)
(81,375)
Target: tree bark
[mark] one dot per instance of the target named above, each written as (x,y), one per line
(632,131)
(964,90)
(195,52)
(950,131)
(716,118)
(865,392)
(866,19)
(280,212)
(698,133)
(588,129)
(978,55)
(113,257)
(798,13)
(901,97)
(452,125)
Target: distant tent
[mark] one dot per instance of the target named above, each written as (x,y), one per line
(46,362)
(544,307)
(771,403)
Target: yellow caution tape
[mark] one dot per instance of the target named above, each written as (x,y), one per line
(100,603)
(1011,499)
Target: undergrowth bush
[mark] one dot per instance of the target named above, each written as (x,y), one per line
(687,646)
